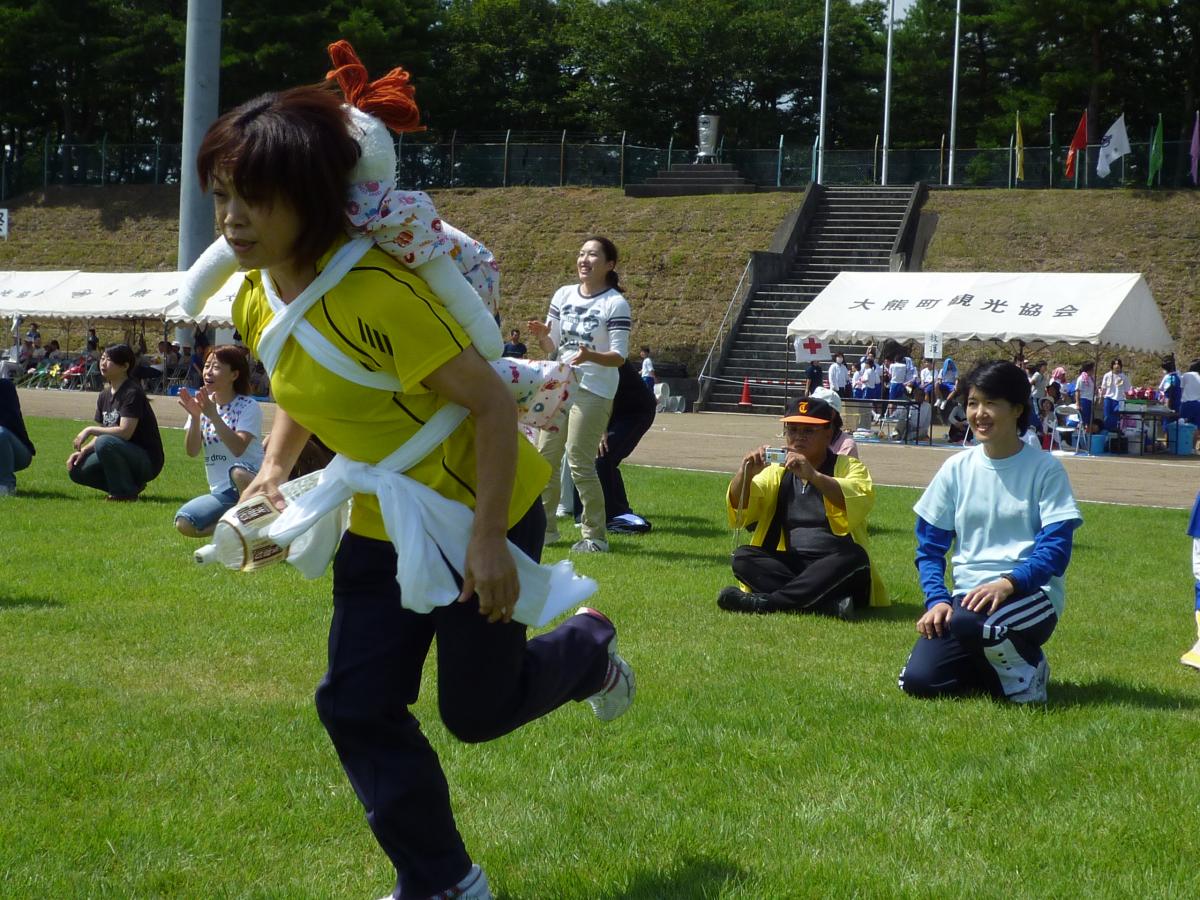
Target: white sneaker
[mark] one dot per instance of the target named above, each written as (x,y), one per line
(616,694)
(1036,691)
(590,545)
(473,887)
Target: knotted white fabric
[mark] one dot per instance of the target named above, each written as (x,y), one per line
(426,529)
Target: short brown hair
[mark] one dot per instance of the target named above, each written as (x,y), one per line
(292,145)
(237,359)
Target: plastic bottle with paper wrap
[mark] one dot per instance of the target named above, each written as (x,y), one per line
(240,540)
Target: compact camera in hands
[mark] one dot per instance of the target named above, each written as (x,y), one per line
(775,456)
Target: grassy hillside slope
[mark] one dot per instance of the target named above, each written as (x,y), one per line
(681,257)
(1156,233)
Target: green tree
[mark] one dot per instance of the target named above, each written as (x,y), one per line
(271,44)
(500,64)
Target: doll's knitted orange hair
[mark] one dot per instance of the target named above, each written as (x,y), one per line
(391,99)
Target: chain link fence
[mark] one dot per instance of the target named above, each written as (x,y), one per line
(540,159)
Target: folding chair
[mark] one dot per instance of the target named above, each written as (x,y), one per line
(1070,430)
(72,375)
(37,376)
(175,377)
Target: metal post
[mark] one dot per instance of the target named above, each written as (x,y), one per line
(507,135)
(562,159)
(815,152)
(875,160)
(954,90)
(670,150)
(824,85)
(201,84)
(887,93)
(1051,150)
(157,154)
(779,165)
(622,159)
(942,161)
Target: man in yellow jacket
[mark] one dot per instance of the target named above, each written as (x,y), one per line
(808,515)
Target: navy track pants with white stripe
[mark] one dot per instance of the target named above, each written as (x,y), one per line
(997,653)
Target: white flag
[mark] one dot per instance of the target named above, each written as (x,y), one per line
(809,349)
(1113,145)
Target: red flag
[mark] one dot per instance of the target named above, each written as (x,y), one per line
(1079,142)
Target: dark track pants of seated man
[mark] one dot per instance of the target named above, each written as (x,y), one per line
(802,582)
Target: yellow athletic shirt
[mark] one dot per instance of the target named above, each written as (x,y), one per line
(385,317)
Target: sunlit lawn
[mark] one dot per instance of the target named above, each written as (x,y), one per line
(157,735)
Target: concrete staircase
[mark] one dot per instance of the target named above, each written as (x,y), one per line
(683,179)
(852,229)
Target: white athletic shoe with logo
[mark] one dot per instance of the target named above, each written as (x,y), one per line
(1036,692)
(616,694)
(473,887)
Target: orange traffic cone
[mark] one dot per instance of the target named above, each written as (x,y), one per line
(746,401)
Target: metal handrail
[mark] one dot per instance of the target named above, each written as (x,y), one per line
(721,329)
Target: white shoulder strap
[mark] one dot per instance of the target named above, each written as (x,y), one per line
(288,321)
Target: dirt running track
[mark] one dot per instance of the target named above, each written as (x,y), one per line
(717,442)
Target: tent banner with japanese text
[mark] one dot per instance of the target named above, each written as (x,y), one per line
(108,295)
(1052,307)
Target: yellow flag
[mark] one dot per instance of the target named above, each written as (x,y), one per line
(1020,151)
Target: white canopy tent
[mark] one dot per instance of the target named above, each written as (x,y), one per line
(107,295)
(1101,309)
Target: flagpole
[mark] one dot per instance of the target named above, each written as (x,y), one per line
(1196,147)
(954,91)
(824,86)
(887,93)
(1161,150)
(1050,149)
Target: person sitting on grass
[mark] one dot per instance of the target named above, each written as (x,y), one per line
(123,451)
(226,423)
(1008,511)
(809,550)
(16,449)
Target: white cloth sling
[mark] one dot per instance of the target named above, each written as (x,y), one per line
(423,525)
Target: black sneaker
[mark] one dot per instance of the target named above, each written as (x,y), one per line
(734,599)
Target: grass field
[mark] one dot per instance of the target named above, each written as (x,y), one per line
(158,736)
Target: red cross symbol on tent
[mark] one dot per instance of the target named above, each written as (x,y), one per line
(812,345)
